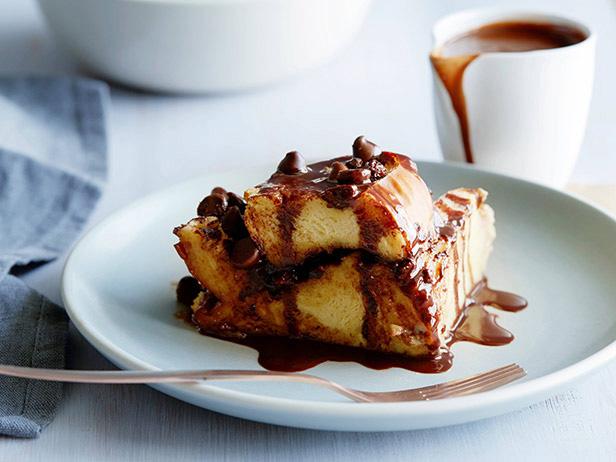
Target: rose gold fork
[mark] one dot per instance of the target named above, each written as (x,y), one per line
(474,384)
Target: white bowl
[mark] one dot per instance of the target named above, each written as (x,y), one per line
(202,45)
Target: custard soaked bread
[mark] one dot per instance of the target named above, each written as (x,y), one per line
(376,202)
(382,267)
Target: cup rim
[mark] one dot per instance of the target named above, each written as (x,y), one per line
(476,17)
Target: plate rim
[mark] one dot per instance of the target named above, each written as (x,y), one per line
(525,391)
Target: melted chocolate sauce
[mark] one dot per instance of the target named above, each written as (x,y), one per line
(512,36)
(295,355)
(291,312)
(505,301)
(480,326)
(316,178)
(447,231)
(371,306)
(280,280)
(287,215)
(451,60)
(476,324)
(451,72)
(457,199)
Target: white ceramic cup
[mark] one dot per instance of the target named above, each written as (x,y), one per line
(526,111)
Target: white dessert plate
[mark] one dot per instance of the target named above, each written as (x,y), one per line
(553,248)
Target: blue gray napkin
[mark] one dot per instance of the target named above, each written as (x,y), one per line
(53,148)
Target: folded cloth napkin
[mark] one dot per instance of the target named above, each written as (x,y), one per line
(52,166)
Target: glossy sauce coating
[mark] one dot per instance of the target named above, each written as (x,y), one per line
(476,325)
(512,36)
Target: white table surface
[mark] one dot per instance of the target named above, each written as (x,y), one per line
(380,87)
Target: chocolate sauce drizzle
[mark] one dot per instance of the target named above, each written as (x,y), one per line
(451,72)
(316,179)
(476,324)
(287,215)
(371,306)
(291,312)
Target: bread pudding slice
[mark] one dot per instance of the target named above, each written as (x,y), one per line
(382,206)
(348,296)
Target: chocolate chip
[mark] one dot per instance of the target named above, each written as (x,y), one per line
(340,196)
(233,224)
(219,190)
(187,290)
(365,149)
(377,169)
(356,176)
(292,164)
(244,253)
(355,162)
(235,200)
(336,168)
(212,205)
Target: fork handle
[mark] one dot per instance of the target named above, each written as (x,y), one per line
(132,377)
(144,377)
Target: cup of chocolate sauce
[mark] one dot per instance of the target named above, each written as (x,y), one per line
(512,91)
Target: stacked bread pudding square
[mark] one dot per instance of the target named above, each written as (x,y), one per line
(350,251)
